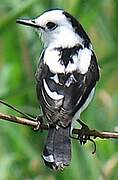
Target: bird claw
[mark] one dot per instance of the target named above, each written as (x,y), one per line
(94,150)
(58,166)
(83,135)
(39,120)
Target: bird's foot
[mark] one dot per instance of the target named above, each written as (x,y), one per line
(39,120)
(83,135)
(58,166)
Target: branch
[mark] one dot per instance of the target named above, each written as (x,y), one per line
(35,124)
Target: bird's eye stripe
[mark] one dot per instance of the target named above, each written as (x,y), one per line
(51,25)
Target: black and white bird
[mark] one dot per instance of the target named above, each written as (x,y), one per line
(66,78)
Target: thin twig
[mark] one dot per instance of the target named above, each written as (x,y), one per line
(23,121)
(34,124)
(16,109)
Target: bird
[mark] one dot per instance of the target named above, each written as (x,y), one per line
(66,78)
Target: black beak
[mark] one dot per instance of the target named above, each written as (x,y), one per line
(29,22)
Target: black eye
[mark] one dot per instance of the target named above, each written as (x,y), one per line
(51,25)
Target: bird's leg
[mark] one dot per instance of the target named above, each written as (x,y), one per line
(39,120)
(83,137)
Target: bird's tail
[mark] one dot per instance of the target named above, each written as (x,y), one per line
(57,150)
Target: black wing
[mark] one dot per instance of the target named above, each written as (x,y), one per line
(91,77)
(66,96)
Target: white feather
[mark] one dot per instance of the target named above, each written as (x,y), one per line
(51,58)
(54,95)
(81,61)
(49,158)
(55,78)
(64,35)
(84,60)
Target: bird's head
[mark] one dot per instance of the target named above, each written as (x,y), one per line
(57,27)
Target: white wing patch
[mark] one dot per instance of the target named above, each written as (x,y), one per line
(81,61)
(84,60)
(53,95)
(55,78)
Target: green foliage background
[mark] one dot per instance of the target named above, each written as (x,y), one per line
(20,147)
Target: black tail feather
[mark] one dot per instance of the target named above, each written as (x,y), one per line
(57,150)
